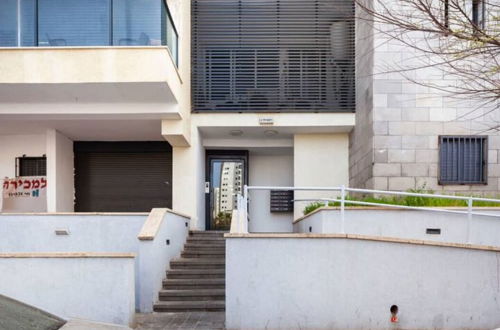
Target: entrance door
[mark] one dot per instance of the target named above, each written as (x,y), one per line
(226,176)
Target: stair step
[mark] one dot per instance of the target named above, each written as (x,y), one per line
(207,233)
(216,255)
(192,295)
(202,253)
(196,273)
(185,284)
(198,263)
(171,286)
(204,249)
(206,240)
(194,281)
(213,245)
(189,306)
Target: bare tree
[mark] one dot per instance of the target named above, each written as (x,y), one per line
(461,38)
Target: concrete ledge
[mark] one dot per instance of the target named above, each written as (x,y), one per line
(65,255)
(369,238)
(77,213)
(153,222)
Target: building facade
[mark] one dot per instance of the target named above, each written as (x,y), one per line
(122,106)
(409,135)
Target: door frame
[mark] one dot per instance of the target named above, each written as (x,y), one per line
(211,155)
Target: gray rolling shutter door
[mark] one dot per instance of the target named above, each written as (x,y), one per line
(122,176)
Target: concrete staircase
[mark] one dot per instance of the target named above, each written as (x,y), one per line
(196,280)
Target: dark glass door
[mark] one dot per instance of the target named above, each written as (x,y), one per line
(226,176)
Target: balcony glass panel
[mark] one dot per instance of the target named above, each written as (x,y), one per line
(27,10)
(74,22)
(87,23)
(8,22)
(17,23)
(137,22)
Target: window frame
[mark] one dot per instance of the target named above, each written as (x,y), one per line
(478,14)
(34,158)
(484,168)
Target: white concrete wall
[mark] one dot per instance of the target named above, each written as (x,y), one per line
(268,169)
(351,284)
(155,256)
(90,233)
(320,160)
(12,146)
(60,173)
(101,233)
(97,289)
(407,224)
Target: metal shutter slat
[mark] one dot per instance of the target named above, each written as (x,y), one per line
(113,180)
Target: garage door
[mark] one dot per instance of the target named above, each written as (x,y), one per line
(122,176)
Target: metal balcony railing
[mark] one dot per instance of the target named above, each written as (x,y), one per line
(273,56)
(72,23)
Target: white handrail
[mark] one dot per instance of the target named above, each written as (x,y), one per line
(243,202)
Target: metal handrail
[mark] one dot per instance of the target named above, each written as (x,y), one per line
(243,202)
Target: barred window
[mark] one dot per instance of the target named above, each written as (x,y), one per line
(463,159)
(32,166)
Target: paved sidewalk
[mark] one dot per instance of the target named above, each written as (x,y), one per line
(190,320)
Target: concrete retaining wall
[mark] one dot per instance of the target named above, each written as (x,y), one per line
(115,233)
(339,283)
(410,224)
(95,288)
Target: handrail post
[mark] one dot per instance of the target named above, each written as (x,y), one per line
(469,218)
(245,208)
(342,209)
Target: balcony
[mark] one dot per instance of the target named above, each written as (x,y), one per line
(273,56)
(102,57)
(61,23)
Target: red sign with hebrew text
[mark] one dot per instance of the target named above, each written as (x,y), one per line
(24,194)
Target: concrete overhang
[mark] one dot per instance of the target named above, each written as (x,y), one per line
(282,125)
(94,81)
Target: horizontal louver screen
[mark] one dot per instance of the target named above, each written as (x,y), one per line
(273,55)
(462,159)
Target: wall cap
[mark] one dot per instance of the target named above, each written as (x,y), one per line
(78,213)
(368,238)
(387,208)
(26,255)
(153,222)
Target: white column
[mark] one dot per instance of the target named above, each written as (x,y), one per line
(320,160)
(188,181)
(60,173)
